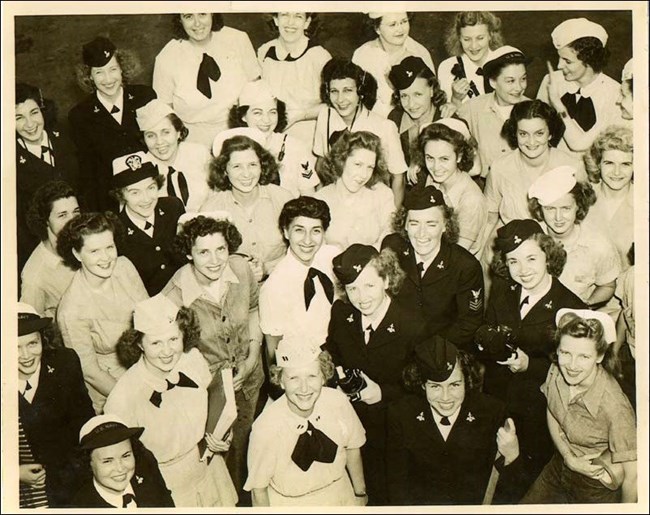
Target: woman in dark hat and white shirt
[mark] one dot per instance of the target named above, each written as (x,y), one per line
(525,300)
(444,435)
(103,125)
(125,472)
(579,90)
(372,332)
(53,404)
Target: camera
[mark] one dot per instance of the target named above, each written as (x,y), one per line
(351,382)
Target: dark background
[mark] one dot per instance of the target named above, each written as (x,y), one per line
(49,47)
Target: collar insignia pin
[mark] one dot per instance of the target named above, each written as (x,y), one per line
(350,318)
(50,369)
(391,328)
(470,417)
(420,417)
(22,160)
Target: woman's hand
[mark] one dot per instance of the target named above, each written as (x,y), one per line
(582,465)
(243,371)
(218,445)
(518,362)
(32,475)
(554,97)
(371,394)
(507,441)
(412,173)
(257,267)
(459,89)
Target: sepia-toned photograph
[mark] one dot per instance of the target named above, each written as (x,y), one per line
(339,260)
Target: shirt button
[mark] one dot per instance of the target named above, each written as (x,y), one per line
(157,249)
(254,243)
(162,267)
(250,220)
(223,318)
(228,341)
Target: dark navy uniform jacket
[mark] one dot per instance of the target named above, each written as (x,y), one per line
(450,295)
(52,421)
(153,258)
(100,139)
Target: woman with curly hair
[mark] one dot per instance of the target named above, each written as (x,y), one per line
(258,108)
(200,72)
(53,405)
(97,306)
(525,300)
(165,391)
(374,333)
(45,278)
(349,93)
(388,43)
(443,436)
(559,201)
(292,64)
(444,282)
(244,180)
(446,153)
(219,286)
(305,447)
(579,90)
(361,205)
(610,165)
(417,100)
(470,40)
(184,165)
(590,420)
(103,125)
(44,153)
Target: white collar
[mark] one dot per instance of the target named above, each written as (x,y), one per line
(119,102)
(282,52)
(35,148)
(111,497)
(139,223)
(534,298)
(445,430)
(192,290)
(33,382)
(377,316)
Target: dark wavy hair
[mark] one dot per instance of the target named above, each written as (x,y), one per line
(414,378)
(527,110)
(326,368)
(51,338)
(218,179)
(204,226)
(613,137)
(237,113)
(178,32)
(371,25)
(591,329)
(308,207)
(387,265)
(584,195)
(338,68)
(470,19)
(438,96)
(75,231)
(25,92)
(554,251)
(41,204)
(129,347)
(439,132)
(127,60)
(451,223)
(591,52)
(310,32)
(118,193)
(334,162)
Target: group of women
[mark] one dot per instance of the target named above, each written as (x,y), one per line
(430,275)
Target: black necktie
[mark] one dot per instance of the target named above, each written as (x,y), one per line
(313,445)
(582,111)
(368,333)
(310,288)
(524,302)
(444,421)
(335,136)
(147,226)
(27,386)
(115,109)
(126,499)
(183,381)
(421,268)
(44,150)
(209,69)
(182,185)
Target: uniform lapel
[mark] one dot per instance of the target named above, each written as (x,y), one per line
(545,308)
(133,233)
(353,327)
(388,329)
(440,266)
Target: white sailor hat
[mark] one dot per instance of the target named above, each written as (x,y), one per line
(576,28)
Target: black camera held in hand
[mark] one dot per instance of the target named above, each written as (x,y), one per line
(351,382)
(495,342)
